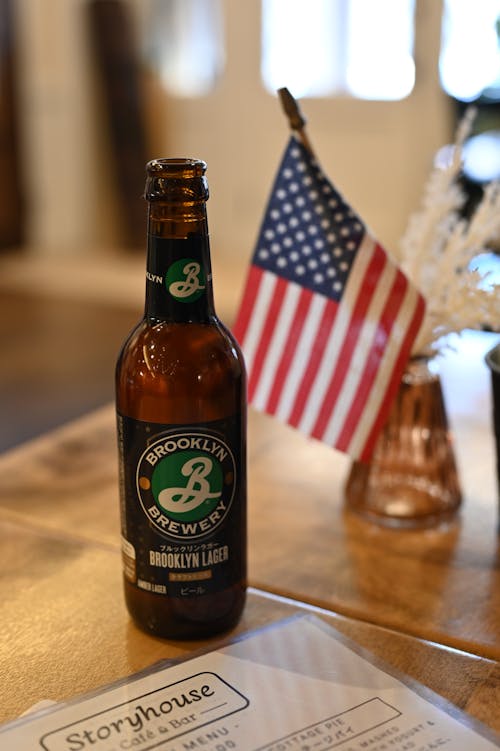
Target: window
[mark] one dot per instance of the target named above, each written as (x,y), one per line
(470,54)
(359,48)
(185,44)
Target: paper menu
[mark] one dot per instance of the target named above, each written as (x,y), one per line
(295,686)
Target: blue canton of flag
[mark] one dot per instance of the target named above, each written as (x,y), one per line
(326,321)
(310,235)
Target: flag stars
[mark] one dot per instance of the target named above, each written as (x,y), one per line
(309,234)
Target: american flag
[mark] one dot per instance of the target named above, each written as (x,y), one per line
(326,320)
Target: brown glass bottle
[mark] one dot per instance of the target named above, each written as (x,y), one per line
(181,412)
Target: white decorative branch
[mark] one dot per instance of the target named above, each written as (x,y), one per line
(439,246)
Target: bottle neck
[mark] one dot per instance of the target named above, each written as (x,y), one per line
(178,272)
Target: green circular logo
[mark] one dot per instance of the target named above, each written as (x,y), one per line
(185,483)
(185,280)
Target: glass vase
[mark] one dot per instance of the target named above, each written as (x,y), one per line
(411,479)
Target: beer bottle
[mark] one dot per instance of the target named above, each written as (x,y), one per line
(181,414)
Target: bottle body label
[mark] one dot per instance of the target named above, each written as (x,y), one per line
(182,505)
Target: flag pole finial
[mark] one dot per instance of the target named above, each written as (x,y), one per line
(296,120)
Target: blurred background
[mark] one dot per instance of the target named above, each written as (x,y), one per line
(92,89)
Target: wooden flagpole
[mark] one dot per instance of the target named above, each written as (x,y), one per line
(295,117)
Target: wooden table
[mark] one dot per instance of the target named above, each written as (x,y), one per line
(440,584)
(64,625)
(65,630)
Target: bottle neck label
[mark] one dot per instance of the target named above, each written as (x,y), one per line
(179,279)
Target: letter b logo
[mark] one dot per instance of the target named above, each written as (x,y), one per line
(185,280)
(187,485)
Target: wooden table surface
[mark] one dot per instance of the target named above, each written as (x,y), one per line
(441,584)
(65,630)
(64,625)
